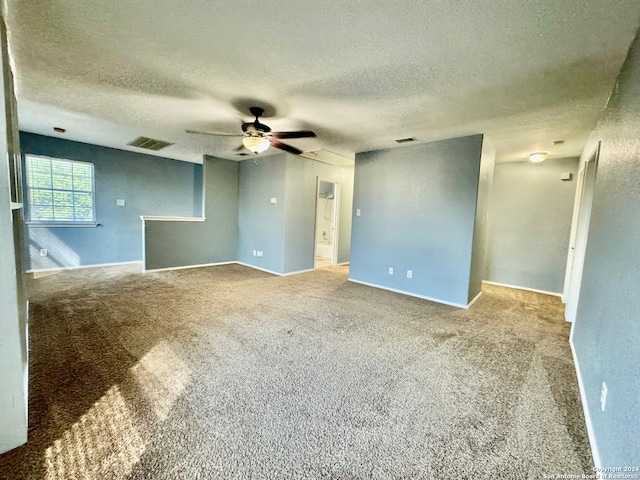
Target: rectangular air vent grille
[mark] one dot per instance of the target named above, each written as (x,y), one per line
(404,140)
(149,143)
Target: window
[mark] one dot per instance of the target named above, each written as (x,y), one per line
(60,191)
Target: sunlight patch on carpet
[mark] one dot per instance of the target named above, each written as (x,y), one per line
(162,376)
(103,443)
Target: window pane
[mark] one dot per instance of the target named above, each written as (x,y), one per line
(63,213)
(41,197)
(82,183)
(42,213)
(39,179)
(62,199)
(83,204)
(62,182)
(84,214)
(39,172)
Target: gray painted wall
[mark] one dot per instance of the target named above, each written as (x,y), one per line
(480,247)
(530,221)
(13,325)
(261,223)
(150,186)
(418,208)
(300,210)
(284,231)
(606,333)
(346,215)
(173,244)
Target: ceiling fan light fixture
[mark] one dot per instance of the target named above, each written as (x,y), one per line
(537,157)
(256,144)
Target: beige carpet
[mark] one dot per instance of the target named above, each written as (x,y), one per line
(227,372)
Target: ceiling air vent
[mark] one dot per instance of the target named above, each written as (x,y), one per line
(149,143)
(405,140)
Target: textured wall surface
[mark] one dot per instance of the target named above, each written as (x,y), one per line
(530,221)
(606,332)
(149,185)
(261,223)
(300,223)
(480,250)
(284,231)
(418,207)
(173,244)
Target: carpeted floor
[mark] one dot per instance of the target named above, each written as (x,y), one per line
(227,372)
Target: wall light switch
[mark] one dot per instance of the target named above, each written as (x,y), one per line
(120,202)
(390,270)
(274,200)
(43,252)
(357,212)
(255,253)
(259,253)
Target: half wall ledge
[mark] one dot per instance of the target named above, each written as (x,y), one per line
(145,218)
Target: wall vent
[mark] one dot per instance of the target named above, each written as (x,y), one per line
(149,143)
(405,140)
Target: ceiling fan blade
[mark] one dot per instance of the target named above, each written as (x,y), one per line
(298,134)
(217,134)
(239,148)
(285,147)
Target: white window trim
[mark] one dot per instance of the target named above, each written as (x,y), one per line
(65,223)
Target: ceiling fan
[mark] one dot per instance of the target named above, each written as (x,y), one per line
(258,137)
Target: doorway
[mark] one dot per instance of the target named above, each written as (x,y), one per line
(327,213)
(578,245)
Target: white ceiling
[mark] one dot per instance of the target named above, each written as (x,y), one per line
(358,73)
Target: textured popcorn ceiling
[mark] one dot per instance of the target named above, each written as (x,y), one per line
(359,73)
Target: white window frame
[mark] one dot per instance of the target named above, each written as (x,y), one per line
(52,222)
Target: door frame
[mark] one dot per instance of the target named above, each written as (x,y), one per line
(335,219)
(580,233)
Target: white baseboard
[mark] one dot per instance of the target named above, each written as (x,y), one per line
(185,266)
(411,294)
(474,300)
(275,273)
(258,268)
(585,408)
(555,294)
(76,267)
(297,272)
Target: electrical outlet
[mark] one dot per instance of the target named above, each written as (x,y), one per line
(390,270)
(603,396)
(43,252)
(357,212)
(409,273)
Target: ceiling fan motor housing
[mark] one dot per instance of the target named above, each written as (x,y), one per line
(255,128)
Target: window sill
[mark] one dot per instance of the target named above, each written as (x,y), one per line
(64,225)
